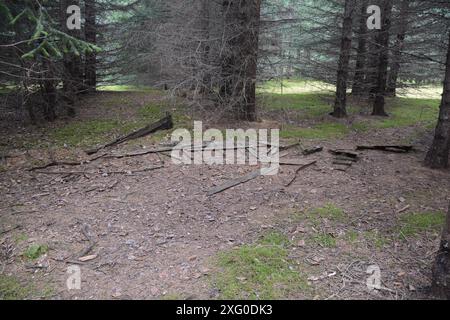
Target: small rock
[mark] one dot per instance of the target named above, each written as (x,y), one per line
(193,258)
(301,243)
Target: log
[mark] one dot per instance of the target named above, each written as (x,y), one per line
(394,149)
(164,124)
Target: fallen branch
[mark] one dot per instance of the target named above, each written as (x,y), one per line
(85,232)
(235,182)
(298,171)
(164,124)
(107,172)
(395,149)
(284,148)
(2,232)
(345,153)
(292,162)
(64,163)
(138,154)
(311,151)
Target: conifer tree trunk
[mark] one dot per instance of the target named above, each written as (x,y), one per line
(340,104)
(382,40)
(437,156)
(398,47)
(359,78)
(239,64)
(90,72)
(441,269)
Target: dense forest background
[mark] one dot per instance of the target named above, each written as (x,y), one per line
(366,80)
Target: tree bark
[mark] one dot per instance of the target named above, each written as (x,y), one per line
(340,108)
(441,269)
(382,40)
(359,78)
(72,70)
(437,156)
(239,63)
(48,91)
(398,47)
(91,37)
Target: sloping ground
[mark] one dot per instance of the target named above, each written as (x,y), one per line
(157,234)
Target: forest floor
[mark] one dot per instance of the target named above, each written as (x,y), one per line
(157,235)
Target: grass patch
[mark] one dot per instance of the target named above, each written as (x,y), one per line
(324,240)
(321,131)
(376,239)
(12,289)
(309,105)
(352,236)
(259,271)
(151,111)
(416,223)
(311,100)
(330,212)
(294,85)
(19,238)
(84,133)
(34,251)
(128,88)
(406,112)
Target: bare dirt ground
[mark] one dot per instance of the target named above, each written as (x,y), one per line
(155,234)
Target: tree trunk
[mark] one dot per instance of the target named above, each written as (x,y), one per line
(398,47)
(437,156)
(91,37)
(382,41)
(359,79)
(239,64)
(72,71)
(441,269)
(48,91)
(340,109)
